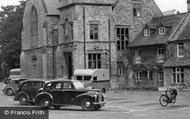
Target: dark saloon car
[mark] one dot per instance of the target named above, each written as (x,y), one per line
(57,93)
(13,85)
(28,90)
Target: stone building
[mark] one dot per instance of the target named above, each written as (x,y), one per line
(60,36)
(151,50)
(160,53)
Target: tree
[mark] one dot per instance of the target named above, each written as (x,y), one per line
(10,33)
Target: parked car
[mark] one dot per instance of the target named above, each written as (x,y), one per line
(12,86)
(6,81)
(57,93)
(28,90)
(15,73)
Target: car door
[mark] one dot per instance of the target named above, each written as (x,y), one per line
(35,87)
(29,89)
(56,92)
(66,94)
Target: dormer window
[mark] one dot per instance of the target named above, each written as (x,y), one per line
(162,30)
(137,12)
(146,32)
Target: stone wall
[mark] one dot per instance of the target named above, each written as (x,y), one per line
(103,12)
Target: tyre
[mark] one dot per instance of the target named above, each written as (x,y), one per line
(9,92)
(163,100)
(87,104)
(46,103)
(23,100)
(174,100)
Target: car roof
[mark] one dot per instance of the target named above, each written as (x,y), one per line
(35,80)
(59,80)
(18,79)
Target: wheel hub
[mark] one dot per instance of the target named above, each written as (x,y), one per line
(46,103)
(23,99)
(87,104)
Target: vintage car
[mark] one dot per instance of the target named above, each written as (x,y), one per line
(6,81)
(28,90)
(57,93)
(12,86)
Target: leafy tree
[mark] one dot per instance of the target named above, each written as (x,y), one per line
(10,34)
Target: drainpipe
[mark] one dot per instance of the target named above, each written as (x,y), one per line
(109,42)
(84,34)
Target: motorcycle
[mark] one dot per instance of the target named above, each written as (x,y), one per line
(169,97)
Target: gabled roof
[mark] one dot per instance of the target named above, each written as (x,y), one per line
(172,22)
(184,34)
(51,7)
(177,62)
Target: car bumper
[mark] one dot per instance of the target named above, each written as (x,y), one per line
(99,103)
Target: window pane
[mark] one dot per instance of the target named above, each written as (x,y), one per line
(99,56)
(178,78)
(96,36)
(90,64)
(99,64)
(173,70)
(174,78)
(126,44)
(136,9)
(122,45)
(118,32)
(126,33)
(182,69)
(89,56)
(118,45)
(94,31)
(134,12)
(182,78)
(122,31)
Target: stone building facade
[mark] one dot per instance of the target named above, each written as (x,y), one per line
(160,53)
(60,36)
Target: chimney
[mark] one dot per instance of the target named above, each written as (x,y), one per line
(188,5)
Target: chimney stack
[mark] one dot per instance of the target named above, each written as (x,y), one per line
(188,5)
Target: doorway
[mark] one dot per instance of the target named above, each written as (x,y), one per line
(69,64)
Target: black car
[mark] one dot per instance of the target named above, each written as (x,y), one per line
(28,90)
(57,93)
(13,86)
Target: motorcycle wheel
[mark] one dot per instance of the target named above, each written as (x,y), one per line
(163,100)
(174,100)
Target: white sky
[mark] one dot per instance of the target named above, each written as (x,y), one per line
(164,5)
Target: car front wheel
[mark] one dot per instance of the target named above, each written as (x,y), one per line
(46,103)
(23,100)
(87,104)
